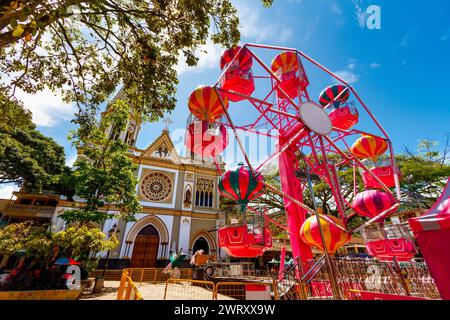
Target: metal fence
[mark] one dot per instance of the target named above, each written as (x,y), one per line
(246,290)
(410,279)
(156,275)
(185,289)
(351,276)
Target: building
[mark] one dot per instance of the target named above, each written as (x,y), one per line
(179,197)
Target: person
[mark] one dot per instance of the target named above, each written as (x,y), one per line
(196,254)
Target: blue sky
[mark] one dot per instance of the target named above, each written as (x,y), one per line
(402,71)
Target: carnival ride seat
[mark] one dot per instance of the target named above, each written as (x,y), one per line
(205,139)
(384,173)
(345,117)
(248,237)
(238,76)
(387,242)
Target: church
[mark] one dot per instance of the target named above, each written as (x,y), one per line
(178,195)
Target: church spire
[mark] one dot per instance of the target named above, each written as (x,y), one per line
(130,134)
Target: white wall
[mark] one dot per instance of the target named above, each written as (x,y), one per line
(185,234)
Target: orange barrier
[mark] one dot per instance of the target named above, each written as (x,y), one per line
(127,289)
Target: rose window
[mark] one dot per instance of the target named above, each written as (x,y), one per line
(156,186)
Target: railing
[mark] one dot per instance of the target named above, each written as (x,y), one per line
(127,289)
(187,288)
(413,279)
(38,210)
(155,275)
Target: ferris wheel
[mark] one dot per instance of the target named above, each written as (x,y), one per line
(264,90)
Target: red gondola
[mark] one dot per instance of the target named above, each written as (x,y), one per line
(289,69)
(245,235)
(385,243)
(345,117)
(204,138)
(384,173)
(239,76)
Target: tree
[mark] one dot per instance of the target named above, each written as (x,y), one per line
(104,174)
(45,247)
(86,49)
(27,157)
(425,174)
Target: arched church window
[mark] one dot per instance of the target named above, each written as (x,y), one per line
(204,190)
(202,194)
(187,197)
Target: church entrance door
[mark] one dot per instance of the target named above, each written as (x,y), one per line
(145,250)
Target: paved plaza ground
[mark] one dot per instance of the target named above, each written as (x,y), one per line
(155,292)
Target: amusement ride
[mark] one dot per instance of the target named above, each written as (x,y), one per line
(268,90)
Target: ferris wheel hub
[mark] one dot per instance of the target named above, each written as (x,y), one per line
(315,118)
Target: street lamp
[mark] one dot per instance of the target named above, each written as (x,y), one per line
(99,280)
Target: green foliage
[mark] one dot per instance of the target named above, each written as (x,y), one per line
(424,174)
(87,49)
(27,157)
(79,243)
(424,177)
(104,174)
(12,237)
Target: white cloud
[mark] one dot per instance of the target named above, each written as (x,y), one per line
(445,36)
(6,191)
(47,108)
(348,76)
(335,9)
(71,159)
(407,37)
(375,65)
(360,14)
(255,28)
(405,40)
(209,58)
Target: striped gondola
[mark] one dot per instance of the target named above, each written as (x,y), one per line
(285,62)
(243,61)
(369,147)
(240,185)
(204,103)
(337,93)
(371,203)
(334,236)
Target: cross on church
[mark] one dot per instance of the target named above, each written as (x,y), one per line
(167,123)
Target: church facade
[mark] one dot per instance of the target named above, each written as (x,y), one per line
(179,198)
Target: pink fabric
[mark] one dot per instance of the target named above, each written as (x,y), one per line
(438,217)
(281,269)
(435,248)
(432,232)
(290,185)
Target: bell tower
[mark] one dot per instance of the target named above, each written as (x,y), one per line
(130,134)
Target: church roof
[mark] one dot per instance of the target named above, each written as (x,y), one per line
(163,148)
